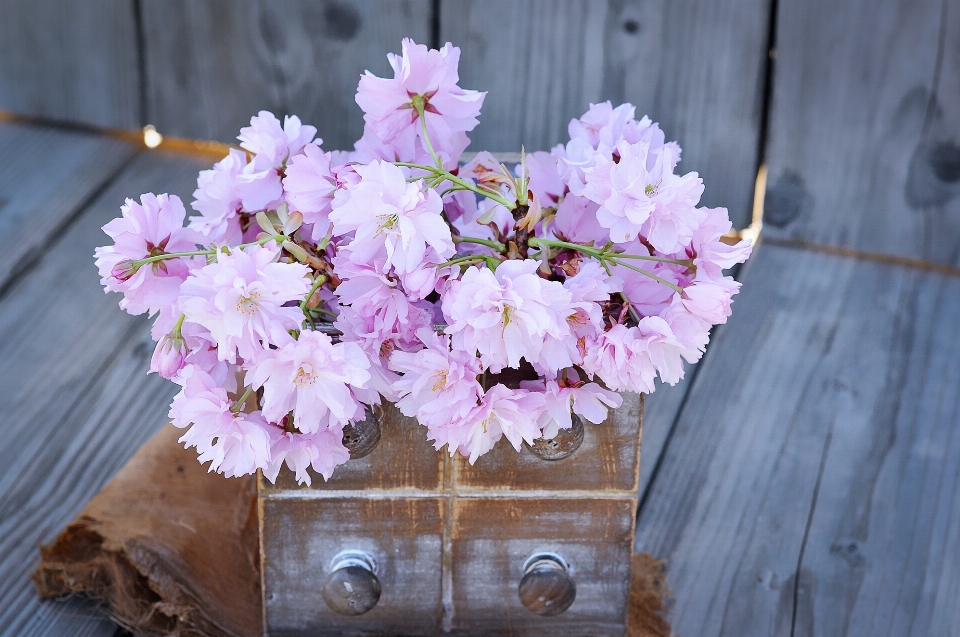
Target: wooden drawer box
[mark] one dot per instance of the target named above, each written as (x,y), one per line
(449,542)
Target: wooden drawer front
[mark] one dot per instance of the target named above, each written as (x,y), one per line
(493,537)
(403,460)
(608,460)
(300,537)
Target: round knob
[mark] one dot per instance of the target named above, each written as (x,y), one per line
(352,588)
(362,437)
(563,444)
(547,588)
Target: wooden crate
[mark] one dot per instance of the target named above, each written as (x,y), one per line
(450,541)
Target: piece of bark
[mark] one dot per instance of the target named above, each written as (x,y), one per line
(169,548)
(649,598)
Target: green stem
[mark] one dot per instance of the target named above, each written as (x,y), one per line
(603,253)
(418,104)
(630,307)
(139,263)
(677,289)
(317,282)
(466,185)
(239,404)
(496,245)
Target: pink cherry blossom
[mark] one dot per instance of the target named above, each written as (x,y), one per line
(709,298)
(312,377)
(614,361)
(218,201)
(147,229)
(391,219)
(272,143)
(711,255)
(310,184)
(602,126)
(236,443)
(503,412)
(323,450)
(240,299)
(169,357)
(505,315)
(589,400)
(439,385)
(429,77)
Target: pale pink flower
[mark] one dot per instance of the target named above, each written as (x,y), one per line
(323,450)
(589,400)
(272,143)
(602,126)
(310,184)
(431,77)
(150,228)
(711,255)
(656,342)
(576,220)
(259,189)
(503,412)
(505,315)
(169,356)
(590,287)
(391,219)
(692,332)
(218,200)
(236,443)
(614,360)
(312,377)
(544,176)
(438,385)
(710,298)
(240,299)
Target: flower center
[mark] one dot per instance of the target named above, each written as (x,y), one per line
(441,380)
(388,223)
(652,189)
(304,378)
(249,304)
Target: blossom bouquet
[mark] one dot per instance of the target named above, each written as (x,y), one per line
(485,301)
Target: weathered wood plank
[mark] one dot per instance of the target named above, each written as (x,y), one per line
(811,360)
(863,145)
(77,400)
(660,411)
(46,175)
(883,552)
(212,64)
(697,67)
(70,61)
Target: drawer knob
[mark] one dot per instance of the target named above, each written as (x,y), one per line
(352,588)
(547,588)
(361,438)
(563,444)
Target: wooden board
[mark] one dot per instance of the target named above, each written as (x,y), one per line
(71,61)
(828,400)
(77,400)
(212,64)
(865,127)
(46,177)
(695,66)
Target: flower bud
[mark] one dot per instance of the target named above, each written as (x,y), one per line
(169,356)
(124,270)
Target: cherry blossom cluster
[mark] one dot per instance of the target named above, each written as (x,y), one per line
(485,301)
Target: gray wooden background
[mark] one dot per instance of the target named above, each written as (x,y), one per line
(201,68)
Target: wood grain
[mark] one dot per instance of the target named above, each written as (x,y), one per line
(300,538)
(212,64)
(821,397)
(46,177)
(76,397)
(606,461)
(592,536)
(70,61)
(695,66)
(403,461)
(863,145)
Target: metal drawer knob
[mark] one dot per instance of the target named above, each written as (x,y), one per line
(546,588)
(563,444)
(362,437)
(352,588)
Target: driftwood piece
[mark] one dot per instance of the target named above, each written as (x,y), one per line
(169,548)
